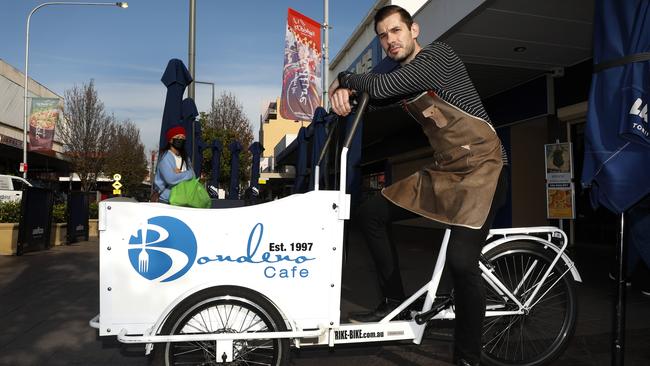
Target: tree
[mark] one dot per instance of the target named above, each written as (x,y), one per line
(127,158)
(86,132)
(227,122)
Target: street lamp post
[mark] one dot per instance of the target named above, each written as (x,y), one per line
(122,5)
(326,54)
(191,53)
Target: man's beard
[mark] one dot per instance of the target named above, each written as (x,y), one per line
(408,52)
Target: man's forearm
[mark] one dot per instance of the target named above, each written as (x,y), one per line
(410,79)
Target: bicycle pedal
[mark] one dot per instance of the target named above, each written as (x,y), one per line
(437,308)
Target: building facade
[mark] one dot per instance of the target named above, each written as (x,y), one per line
(276,133)
(46,166)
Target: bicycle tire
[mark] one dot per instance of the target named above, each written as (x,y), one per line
(520,339)
(227,310)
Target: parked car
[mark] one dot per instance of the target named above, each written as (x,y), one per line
(11,188)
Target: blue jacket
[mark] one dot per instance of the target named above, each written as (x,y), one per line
(166,176)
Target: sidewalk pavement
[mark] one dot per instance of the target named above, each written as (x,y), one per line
(47,298)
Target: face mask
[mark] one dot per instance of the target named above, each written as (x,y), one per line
(178,143)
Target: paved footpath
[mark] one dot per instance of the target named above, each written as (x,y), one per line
(47,298)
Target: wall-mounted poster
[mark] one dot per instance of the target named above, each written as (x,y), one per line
(559,162)
(560,200)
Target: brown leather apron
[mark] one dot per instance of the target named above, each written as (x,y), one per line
(459,185)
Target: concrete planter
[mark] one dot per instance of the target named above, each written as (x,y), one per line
(93,230)
(8,238)
(58,234)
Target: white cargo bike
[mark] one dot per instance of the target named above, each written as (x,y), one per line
(239,286)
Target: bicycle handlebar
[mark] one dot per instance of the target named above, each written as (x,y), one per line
(363,101)
(361,108)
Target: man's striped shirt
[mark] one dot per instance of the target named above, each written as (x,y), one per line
(436,67)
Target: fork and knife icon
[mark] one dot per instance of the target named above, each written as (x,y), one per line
(143,257)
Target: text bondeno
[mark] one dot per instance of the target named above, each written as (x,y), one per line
(252,257)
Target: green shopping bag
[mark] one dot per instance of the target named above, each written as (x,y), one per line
(190,193)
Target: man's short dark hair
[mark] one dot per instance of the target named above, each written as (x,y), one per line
(389,10)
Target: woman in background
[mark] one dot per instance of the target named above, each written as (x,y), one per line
(174,165)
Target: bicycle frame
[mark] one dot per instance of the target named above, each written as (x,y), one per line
(431,287)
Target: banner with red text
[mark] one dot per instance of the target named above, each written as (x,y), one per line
(42,121)
(302,77)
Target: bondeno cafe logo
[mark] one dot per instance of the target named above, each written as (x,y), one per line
(163,250)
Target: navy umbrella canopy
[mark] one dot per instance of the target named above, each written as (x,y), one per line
(616,138)
(255,149)
(188,121)
(617,142)
(300,183)
(216,147)
(200,146)
(319,135)
(176,78)
(235,148)
(353,185)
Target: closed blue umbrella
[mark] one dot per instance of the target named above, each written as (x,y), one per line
(616,138)
(617,145)
(176,78)
(354,162)
(235,148)
(330,124)
(216,147)
(255,149)
(188,116)
(317,141)
(199,147)
(300,183)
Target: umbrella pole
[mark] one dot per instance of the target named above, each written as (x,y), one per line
(618,345)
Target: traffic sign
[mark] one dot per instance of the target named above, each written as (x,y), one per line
(117,185)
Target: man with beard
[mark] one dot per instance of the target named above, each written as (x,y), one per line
(462,187)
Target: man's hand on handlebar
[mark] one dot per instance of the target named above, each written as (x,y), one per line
(340,99)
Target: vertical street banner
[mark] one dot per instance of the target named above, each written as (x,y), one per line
(302,75)
(42,121)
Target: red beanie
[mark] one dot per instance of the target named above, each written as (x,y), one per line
(177,130)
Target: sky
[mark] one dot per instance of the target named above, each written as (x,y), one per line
(239,47)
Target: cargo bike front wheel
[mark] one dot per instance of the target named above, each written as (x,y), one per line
(223,310)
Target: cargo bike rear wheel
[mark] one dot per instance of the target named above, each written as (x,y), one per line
(541,334)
